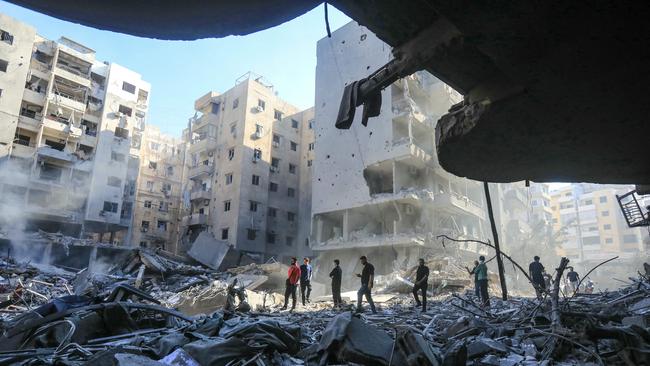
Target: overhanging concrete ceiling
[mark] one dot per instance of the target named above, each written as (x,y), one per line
(555,90)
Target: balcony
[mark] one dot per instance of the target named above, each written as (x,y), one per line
(205,119)
(195,219)
(204,144)
(373,241)
(72,74)
(458,204)
(409,148)
(55,154)
(201,194)
(29,123)
(40,69)
(200,170)
(61,127)
(34,97)
(23,151)
(67,102)
(88,140)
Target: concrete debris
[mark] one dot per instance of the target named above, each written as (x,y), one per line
(184,315)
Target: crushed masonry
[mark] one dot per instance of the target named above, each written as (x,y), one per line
(152,310)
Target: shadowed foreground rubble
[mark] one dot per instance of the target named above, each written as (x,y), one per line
(150,310)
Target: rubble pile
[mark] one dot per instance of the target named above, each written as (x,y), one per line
(151,310)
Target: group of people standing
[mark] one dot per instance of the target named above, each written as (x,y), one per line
(301,276)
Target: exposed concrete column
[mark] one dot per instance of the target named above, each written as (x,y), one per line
(346,224)
(319,230)
(92,258)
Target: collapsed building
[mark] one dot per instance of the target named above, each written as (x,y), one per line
(66,117)
(248,173)
(379,190)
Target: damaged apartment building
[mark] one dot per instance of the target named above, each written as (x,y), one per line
(70,136)
(156,220)
(249,171)
(379,189)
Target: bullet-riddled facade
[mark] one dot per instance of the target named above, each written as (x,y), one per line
(378,190)
(249,161)
(75,135)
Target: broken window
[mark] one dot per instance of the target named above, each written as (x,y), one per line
(259,130)
(22,140)
(121,132)
(224,234)
(170,171)
(226,206)
(277,115)
(128,87)
(275,162)
(89,128)
(291,216)
(294,146)
(276,140)
(250,234)
(291,192)
(147,204)
(289,241)
(273,212)
(261,104)
(270,238)
(167,188)
(228,178)
(3,65)
(55,145)
(311,146)
(114,181)
(145,226)
(257,154)
(163,206)
(256,180)
(253,206)
(233,129)
(231,153)
(294,123)
(311,124)
(273,187)
(215,108)
(235,103)
(153,165)
(292,169)
(125,110)
(162,225)
(309,162)
(6,37)
(110,206)
(50,172)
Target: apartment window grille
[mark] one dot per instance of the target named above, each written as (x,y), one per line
(311,146)
(256,180)
(292,169)
(226,206)
(110,206)
(294,146)
(273,187)
(231,153)
(277,115)
(147,204)
(127,87)
(229,179)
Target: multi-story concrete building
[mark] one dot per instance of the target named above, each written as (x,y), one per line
(73,154)
(378,190)
(156,219)
(594,226)
(249,168)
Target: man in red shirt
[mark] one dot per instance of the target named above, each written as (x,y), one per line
(293,276)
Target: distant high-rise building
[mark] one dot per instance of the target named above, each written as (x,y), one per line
(249,171)
(157,207)
(70,132)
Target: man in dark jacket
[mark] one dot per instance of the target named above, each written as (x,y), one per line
(305,280)
(536,273)
(367,276)
(336,276)
(421,278)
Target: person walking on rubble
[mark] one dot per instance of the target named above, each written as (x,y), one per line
(336,275)
(305,280)
(536,273)
(473,272)
(367,277)
(574,279)
(482,279)
(293,276)
(421,278)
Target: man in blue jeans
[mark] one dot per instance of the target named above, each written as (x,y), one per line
(367,276)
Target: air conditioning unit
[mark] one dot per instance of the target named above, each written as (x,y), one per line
(409,210)
(276,144)
(275,169)
(258,109)
(144,229)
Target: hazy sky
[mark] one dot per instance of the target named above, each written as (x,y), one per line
(182,71)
